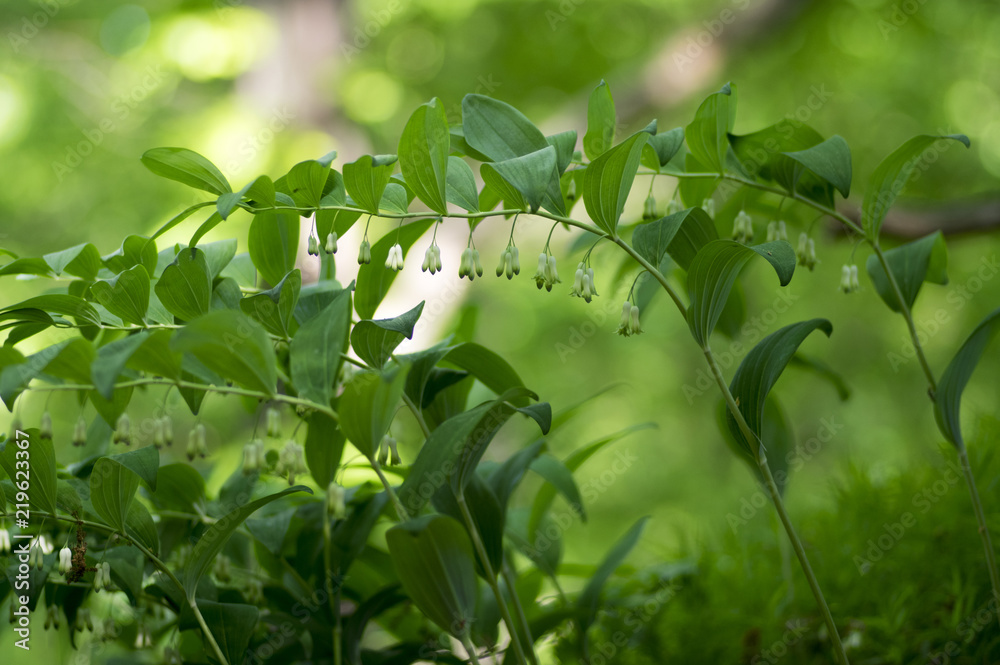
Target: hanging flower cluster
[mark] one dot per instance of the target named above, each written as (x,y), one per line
(630,320)
(806,252)
(583,283)
(743,228)
(395,259)
(849,278)
(547,275)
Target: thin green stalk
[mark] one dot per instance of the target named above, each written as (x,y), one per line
(491,579)
(779,505)
(508,578)
(401,511)
(470,648)
(984,532)
(331,593)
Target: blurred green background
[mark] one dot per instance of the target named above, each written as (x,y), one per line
(86,87)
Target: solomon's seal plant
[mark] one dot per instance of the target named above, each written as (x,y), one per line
(427,547)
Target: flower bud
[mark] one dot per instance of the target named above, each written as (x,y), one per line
(394,459)
(636,329)
(273,420)
(515,262)
(123,430)
(313,248)
(364,253)
(253,456)
(465,264)
(45,426)
(158,440)
(806,252)
(45,544)
(335,501)
(855,284)
(674,207)
(504,260)
(478,264)
(593,282)
(708,205)
(4,542)
(36,557)
(742,227)
(623,325)
(168,430)
(649,208)
(383,450)
(65,560)
(201,445)
(571,190)
(553,273)
(331,243)
(192,446)
(80,432)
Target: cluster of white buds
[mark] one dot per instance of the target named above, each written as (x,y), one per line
(547,275)
(365,253)
(102,579)
(36,557)
(331,243)
(273,419)
(806,251)
(163,432)
(649,208)
(630,320)
(4,542)
(197,445)
(45,426)
(743,227)
(708,205)
(313,247)
(336,506)
(221,568)
(80,432)
(674,206)
(83,621)
(291,461)
(583,283)
(849,278)
(432,259)
(45,545)
(65,560)
(52,617)
(388,452)
(143,639)
(776,231)
(470,266)
(253,456)
(509,263)
(395,259)
(123,430)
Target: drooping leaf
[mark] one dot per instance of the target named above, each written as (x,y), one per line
(487,366)
(366,178)
(273,242)
(891,176)
(275,308)
(324,447)
(233,345)
(707,134)
(663,147)
(564,143)
(180,217)
(112,490)
(185,287)
(830,160)
(487,518)
(315,354)
(58,303)
(83,261)
(187,167)
(601,122)
(608,181)
(374,341)
(375,279)
(368,407)
(461,187)
(679,235)
(232,626)
(125,295)
(561,478)
(217,534)
(716,267)
(758,373)
(497,130)
(589,600)
(434,560)
(531,175)
(423,154)
(505,478)
(912,264)
(764,154)
(111,360)
(948,398)
(306,181)
(135,250)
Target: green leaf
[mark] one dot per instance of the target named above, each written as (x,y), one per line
(891,176)
(180,217)
(218,255)
(26,267)
(601,122)
(112,490)
(716,267)
(315,351)
(948,399)
(185,287)
(765,154)
(368,407)
(375,279)
(111,360)
(564,143)
(214,220)
(139,525)
(261,188)
(506,477)
(590,598)
(125,295)
(155,356)
(561,478)
(274,243)
(143,462)
(663,147)
(215,536)
(434,561)
(324,447)
(680,235)
(461,188)
(912,264)
(423,154)
(694,191)
(374,341)
(126,570)
(707,133)
(232,625)
(395,199)
(135,250)
(84,261)
(608,181)
(188,167)
(487,518)
(365,180)
(57,303)
(275,308)
(830,160)
(41,468)
(179,487)
(489,367)
(531,175)
(306,182)
(233,345)
(758,373)
(498,130)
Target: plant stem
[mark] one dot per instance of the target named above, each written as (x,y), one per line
(400,508)
(779,505)
(984,532)
(331,593)
(491,578)
(508,578)
(470,648)
(417,415)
